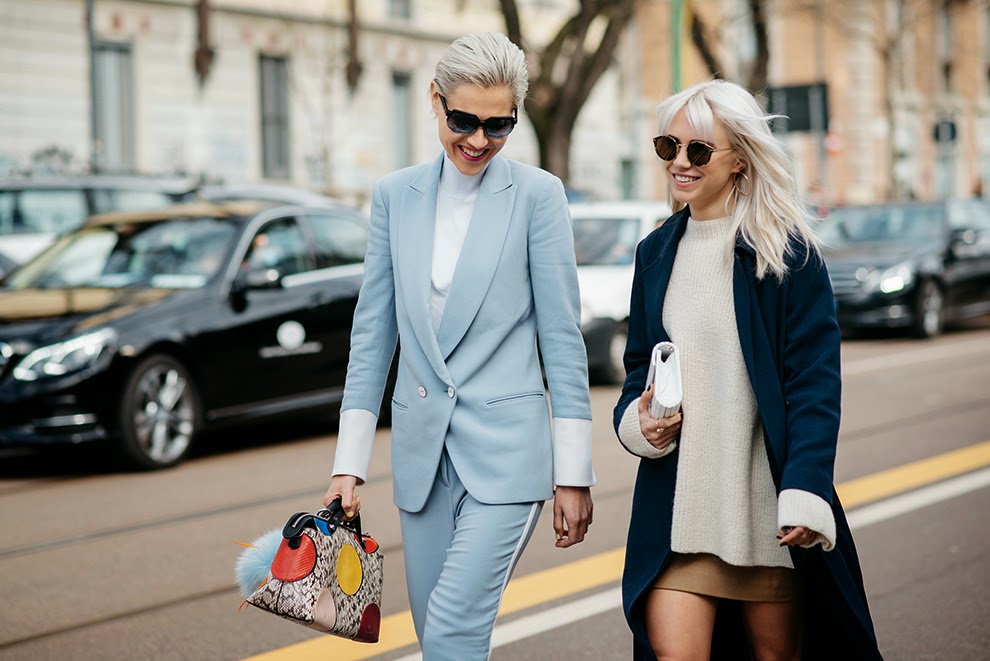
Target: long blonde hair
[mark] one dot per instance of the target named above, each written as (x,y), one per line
(771,213)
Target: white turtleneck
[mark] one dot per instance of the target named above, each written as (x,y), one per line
(456,196)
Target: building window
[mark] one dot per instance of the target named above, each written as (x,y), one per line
(627,178)
(275,117)
(400,8)
(944,48)
(402,118)
(113,107)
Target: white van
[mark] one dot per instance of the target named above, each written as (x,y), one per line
(605,239)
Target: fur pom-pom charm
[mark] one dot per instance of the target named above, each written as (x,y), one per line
(255,561)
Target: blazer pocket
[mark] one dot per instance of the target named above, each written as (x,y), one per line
(400,406)
(508,399)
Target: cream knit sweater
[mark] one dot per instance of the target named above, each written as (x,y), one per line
(724,502)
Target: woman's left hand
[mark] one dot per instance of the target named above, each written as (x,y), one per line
(572,514)
(659,432)
(796,536)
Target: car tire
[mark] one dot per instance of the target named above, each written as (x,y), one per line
(159,414)
(614,372)
(929,310)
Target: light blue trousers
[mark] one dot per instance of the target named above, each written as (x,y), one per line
(459,555)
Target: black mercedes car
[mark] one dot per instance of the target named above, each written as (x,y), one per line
(141,329)
(915,265)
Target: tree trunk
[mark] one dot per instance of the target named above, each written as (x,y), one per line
(555,150)
(565,71)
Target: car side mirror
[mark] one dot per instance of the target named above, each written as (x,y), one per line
(258,278)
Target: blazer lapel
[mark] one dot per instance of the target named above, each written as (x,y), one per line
(415,259)
(480,255)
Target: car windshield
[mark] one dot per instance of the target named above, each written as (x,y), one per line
(600,241)
(882,224)
(173,254)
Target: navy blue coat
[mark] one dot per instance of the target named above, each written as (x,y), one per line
(790,343)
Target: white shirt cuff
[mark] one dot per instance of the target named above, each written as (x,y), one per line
(572,453)
(632,439)
(355,440)
(803,508)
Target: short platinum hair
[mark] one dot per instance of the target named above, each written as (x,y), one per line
(485,59)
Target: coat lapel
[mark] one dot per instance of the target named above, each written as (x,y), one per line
(664,265)
(480,255)
(415,259)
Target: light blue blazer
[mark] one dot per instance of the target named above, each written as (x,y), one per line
(475,384)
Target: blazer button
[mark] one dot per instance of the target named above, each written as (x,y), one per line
(422,391)
(450,392)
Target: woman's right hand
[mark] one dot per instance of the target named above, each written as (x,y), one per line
(660,432)
(342,486)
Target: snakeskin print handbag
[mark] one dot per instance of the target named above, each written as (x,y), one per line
(326,575)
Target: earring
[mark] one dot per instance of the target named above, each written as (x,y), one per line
(748,186)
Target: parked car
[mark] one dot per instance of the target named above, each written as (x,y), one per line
(35,210)
(915,265)
(605,238)
(143,329)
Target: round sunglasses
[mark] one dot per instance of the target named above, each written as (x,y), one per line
(465,123)
(698,153)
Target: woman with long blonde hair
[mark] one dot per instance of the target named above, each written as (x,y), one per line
(737,543)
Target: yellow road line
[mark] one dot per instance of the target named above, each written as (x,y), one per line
(574,577)
(911,476)
(521,593)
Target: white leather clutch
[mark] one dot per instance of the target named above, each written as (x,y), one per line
(665,375)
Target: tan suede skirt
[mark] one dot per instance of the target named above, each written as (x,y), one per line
(709,575)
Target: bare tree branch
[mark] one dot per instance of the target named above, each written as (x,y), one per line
(757,82)
(565,71)
(575,65)
(699,37)
(603,57)
(512,28)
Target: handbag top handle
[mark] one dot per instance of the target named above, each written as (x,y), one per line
(333,515)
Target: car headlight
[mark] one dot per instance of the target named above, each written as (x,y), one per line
(66,357)
(891,280)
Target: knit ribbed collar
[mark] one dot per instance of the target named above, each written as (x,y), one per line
(456,184)
(708,229)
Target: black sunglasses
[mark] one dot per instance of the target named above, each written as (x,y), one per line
(465,123)
(699,153)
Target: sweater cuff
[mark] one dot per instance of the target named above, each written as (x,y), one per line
(572,453)
(355,439)
(632,439)
(803,508)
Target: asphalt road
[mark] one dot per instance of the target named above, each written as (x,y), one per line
(99,565)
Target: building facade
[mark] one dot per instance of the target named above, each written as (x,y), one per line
(265,90)
(906,86)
